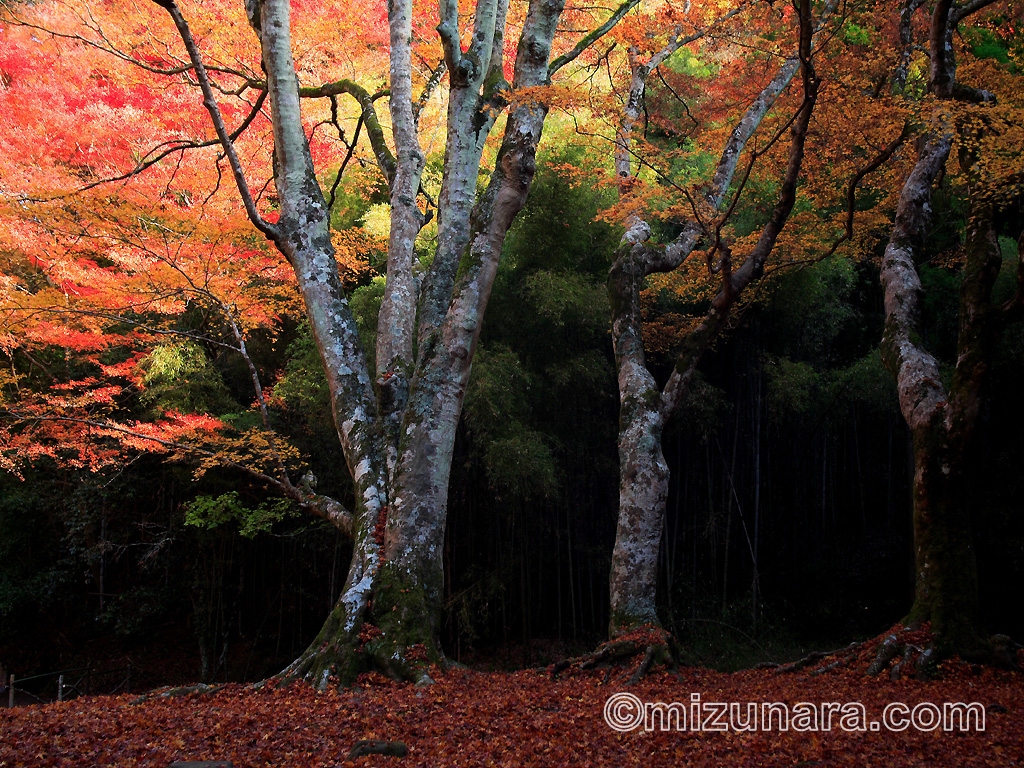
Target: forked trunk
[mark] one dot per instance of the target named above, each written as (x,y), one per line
(644,408)
(388,615)
(942,423)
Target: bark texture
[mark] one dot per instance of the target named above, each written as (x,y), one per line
(644,407)
(396,422)
(942,422)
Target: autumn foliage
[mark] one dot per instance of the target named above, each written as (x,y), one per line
(523,718)
(130,274)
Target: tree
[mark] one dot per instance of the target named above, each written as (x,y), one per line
(396,419)
(943,418)
(645,406)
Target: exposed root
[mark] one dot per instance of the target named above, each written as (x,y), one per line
(907,663)
(887,651)
(645,665)
(903,651)
(342,657)
(906,651)
(848,652)
(653,646)
(814,656)
(175,692)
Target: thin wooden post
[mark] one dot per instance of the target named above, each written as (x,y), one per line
(10,693)
(60,688)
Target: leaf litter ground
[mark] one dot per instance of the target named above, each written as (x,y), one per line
(518,719)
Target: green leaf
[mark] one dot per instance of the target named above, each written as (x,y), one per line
(212,512)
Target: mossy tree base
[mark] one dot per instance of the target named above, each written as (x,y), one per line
(401,643)
(340,660)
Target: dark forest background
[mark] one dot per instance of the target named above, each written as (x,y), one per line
(788,517)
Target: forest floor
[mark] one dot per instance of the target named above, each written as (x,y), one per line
(527,718)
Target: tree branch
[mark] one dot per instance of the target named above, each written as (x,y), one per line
(753,266)
(149,160)
(385,159)
(592,37)
(322,506)
(448,30)
(429,87)
(961,13)
(921,392)
(858,177)
(106,47)
(210,102)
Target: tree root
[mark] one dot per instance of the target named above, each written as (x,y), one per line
(811,658)
(652,645)
(911,656)
(903,651)
(913,651)
(175,692)
(340,668)
(343,656)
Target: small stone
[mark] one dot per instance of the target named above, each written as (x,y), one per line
(372,747)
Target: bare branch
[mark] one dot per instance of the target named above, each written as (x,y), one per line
(368,115)
(150,159)
(592,38)
(210,102)
(348,155)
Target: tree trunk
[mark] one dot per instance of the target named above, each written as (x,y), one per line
(388,616)
(644,408)
(942,423)
(946,592)
(643,473)
(397,424)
